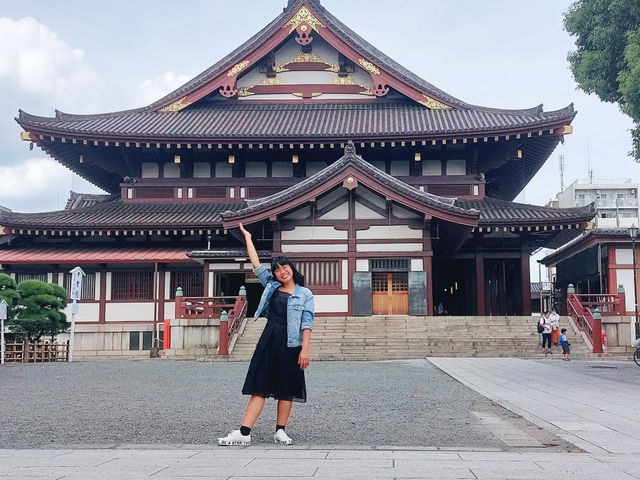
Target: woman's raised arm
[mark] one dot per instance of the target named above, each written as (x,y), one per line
(251,249)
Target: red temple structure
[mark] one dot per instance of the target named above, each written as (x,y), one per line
(392,196)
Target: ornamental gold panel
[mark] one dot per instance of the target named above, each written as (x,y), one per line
(433,104)
(176,106)
(303,15)
(368,66)
(237,68)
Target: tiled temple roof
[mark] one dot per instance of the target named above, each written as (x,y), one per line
(282,122)
(81,200)
(500,212)
(116,215)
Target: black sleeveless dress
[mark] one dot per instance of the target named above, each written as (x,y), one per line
(274,370)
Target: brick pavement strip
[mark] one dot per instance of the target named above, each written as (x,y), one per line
(570,399)
(277,462)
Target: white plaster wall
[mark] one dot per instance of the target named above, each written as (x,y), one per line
(284,96)
(345,274)
(389,247)
(456,167)
(417,265)
(129,312)
(306,78)
(399,168)
(225,266)
(314,233)
(432,168)
(331,197)
(624,256)
(299,214)
(87,312)
(362,265)
(400,212)
(250,78)
(167,284)
(389,232)
(169,310)
(625,278)
(201,170)
(98,277)
(375,199)
(341,212)
(331,303)
(210,285)
(364,213)
(108,294)
(314,248)
(341,96)
(256,170)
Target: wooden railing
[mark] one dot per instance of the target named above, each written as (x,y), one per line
(203,307)
(25,352)
(607,304)
(585,321)
(230,310)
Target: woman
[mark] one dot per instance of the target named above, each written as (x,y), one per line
(555,328)
(282,353)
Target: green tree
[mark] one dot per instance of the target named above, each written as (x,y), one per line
(39,311)
(9,293)
(607,58)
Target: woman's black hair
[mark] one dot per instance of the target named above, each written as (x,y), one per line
(298,278)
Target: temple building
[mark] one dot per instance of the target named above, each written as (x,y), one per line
(392,196)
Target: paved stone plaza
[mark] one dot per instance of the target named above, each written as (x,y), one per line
(406,420)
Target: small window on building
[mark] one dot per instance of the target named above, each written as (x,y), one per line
(400,168)
(88,286)
(147,339)
(201,170)
(150,170)
(132,286)
(456,167)
(255,170)
(192,284)
(315,167)
(432,168)
(282,169)
(224,170)
(171,170)
(134,340)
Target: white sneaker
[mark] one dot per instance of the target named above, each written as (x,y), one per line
(282,438)
(235,438)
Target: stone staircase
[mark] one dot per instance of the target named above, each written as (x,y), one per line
(396,337)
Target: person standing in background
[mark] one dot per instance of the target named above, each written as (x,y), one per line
(555,328)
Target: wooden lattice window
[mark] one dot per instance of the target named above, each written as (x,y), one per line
(21,277)
(192,284)
(388,265)
(320,273)
(132,286)
(88,286)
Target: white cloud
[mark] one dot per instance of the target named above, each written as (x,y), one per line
(36,62)
(32,177)
(39,184)
(153,89)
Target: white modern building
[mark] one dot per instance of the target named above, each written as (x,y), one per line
(616,200)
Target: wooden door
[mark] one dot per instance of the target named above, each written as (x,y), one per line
(390,292)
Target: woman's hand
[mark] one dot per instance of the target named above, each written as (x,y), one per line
(303,358)
(243,231)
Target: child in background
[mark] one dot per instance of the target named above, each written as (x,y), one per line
(566,346)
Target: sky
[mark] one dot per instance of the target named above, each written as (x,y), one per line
(88,57)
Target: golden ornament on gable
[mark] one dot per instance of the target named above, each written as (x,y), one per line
(433,104)
(368,66)
(176,106)
(237,68)
(303,15)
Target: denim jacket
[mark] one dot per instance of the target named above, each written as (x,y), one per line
(300,306)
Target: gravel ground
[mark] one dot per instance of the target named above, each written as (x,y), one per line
(108,403)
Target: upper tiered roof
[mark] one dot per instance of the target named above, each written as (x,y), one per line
(394,103)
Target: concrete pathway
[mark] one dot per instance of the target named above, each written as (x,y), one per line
(329,463)
(598,413)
